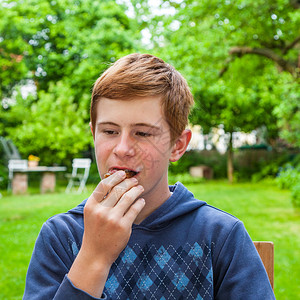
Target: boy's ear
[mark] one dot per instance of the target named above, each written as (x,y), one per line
(180,145)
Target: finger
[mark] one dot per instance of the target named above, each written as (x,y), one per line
(118,191)
(128,199)
(105,186)
(134,210)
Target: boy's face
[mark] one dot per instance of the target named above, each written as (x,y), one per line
(133,134)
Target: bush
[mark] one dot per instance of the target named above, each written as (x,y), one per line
(296,195)
(255,164)
(271,165)
(3,171)
(212,159)
(3,177)
(184,178)
(289,178)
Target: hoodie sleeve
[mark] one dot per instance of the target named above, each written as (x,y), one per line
(50,262)
(239,272)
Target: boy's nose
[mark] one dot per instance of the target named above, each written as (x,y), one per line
(125,146)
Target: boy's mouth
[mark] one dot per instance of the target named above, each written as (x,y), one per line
(129,173)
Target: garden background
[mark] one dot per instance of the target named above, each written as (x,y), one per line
(242,62)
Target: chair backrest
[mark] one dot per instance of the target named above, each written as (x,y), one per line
(16,164)
(81,163)
(10,150)
(266,253)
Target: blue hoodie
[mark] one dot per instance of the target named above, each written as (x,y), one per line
(186,249)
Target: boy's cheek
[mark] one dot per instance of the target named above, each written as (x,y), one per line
(148,160)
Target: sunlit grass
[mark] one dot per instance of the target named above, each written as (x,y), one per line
(21,218)
(265,210)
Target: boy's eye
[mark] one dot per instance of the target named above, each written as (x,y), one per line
(143,134)
(109,132)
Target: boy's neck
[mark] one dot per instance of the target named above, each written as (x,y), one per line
(153,202)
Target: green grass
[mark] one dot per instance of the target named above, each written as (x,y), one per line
(21,218)
(265,210)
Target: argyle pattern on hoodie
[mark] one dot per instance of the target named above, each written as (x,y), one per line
(162,273)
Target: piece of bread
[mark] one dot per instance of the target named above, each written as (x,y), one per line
(129,174)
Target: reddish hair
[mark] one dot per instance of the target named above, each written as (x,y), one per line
(141,75)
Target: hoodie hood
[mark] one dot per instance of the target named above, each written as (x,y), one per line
(180,203)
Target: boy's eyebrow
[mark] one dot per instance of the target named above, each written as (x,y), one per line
(147,125)
(106,123)
(132,125)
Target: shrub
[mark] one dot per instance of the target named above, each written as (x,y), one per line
(184,178)
(255,164)
(271,165)
(3,171)
(3,177)
(296,195)
(212,158)
(289,178)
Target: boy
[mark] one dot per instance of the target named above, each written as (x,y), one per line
(138,238)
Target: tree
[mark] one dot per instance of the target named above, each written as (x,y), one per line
(210,42)
(61,46)
(288,113)
(53,127)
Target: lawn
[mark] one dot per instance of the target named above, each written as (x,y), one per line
(265,210)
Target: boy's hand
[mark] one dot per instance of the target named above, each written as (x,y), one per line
(108,217)
(109,214)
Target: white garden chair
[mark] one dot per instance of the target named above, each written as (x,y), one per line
(80,174)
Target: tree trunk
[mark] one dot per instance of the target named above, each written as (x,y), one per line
(230,159)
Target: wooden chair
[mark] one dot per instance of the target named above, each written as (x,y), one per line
(266,253)
(80,174)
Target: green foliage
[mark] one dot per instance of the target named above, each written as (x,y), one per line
(184,178)
(3,177)
(208,42)
(240,59)
(269,169)
(61,46)
(295,194)
(249,164)
(53,127)
(65,39)
(289,178)
(256,164)
(237,105)
(288,113)
(3,171)
(212,159)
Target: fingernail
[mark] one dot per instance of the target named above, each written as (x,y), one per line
(133,179)
(122,173)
